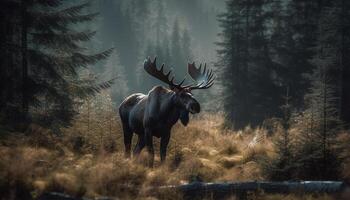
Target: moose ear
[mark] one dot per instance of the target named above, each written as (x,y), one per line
(184,117)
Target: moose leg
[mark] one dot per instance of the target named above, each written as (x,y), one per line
(164,141)
(140,145)
(127,140)
(149,145)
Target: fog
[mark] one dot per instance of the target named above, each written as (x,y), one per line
(177,32)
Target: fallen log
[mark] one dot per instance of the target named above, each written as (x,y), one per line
(198,190)
(201,190)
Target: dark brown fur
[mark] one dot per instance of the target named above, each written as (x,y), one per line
(154,115)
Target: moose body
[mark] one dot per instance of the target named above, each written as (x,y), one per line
(155,114)
(151,115)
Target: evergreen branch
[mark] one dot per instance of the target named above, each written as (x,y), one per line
(58,44)
(63,41)
(64,37)
(49,3)
(74,10)
(84,60)
(55,67)
(66,65)
(58,20)
(104,85)
(87,88)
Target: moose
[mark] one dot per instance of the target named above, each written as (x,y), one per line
(154,114)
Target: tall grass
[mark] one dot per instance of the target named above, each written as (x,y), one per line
(87,160)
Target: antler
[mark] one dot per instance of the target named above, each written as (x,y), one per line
(151,68)
(204,79)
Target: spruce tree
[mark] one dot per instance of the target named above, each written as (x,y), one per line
(281,51)
(50,60)
(282,167)
(250,93)
(186,47)
(160,25)
(264,92)
(301,23)
(176,54)
(318,154)
(233,68)
(10,71)
(56,57)
(114,70)
(166,50)
(119,30)
(343,8)
(146,82)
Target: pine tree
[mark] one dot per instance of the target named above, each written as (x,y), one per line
(166,49)
(318,155)
(343,8)
(160,24)
(119,30)
(176,54)
(114,70)
(140,10)
(186,47)
(250,91)
(111,23)
(233,68)
(10,71)
(281,51)
(282,166)
(50,60)
(146,82)
(264,94)
(301,23)
(55,70)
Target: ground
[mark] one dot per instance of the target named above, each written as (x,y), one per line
(91,163)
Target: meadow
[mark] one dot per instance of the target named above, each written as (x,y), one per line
(87,159)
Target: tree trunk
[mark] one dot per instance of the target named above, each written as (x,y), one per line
(24,61)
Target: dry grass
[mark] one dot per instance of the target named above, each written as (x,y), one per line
(93,165)
(344,139)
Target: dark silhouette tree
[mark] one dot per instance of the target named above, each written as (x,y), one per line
(343,8)
(318,155)
(251,93)
(10,69)
(301,23)
(282,166)
(50,57)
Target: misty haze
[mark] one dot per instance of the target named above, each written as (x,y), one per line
(174,99)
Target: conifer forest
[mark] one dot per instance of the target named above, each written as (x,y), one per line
(174,99)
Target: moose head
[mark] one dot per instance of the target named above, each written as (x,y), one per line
(154,114)
(183,96)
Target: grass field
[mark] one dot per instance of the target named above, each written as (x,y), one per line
(90,162)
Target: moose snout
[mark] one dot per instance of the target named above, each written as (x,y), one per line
(194,108)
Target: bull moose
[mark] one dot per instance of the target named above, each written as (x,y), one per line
(154,114)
